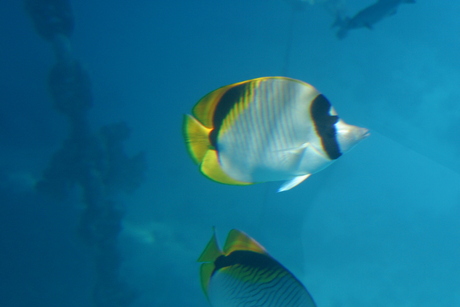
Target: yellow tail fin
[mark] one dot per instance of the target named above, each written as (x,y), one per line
(196,138)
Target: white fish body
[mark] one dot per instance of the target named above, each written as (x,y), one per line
(277,129)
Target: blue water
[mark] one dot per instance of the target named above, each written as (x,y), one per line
(377,228)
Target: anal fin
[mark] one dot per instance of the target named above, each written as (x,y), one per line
(212,169)
(293,182)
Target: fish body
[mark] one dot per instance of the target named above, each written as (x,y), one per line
(266,129)
(243,274)
(369,16)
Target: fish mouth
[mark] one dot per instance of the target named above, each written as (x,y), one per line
(365,133)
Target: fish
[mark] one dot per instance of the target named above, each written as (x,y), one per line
(367,17)
(266,129)
(244,274)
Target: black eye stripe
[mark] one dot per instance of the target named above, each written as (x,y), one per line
(325,126)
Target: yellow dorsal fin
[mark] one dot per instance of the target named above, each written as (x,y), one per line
(211,168)
(196,138)
(205,107)
(238,240)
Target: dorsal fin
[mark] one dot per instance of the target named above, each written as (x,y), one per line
(205,107)
(238,240)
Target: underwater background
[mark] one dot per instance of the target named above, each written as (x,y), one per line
(377,228)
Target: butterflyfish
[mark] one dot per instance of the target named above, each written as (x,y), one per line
(243,274)
(266,129)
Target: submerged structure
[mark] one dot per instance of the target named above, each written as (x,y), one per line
(94,162)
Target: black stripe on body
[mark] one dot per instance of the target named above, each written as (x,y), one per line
(325,126)
(246,258)
(226,103)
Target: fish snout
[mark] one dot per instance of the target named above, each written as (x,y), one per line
(348,135)
(364,132)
